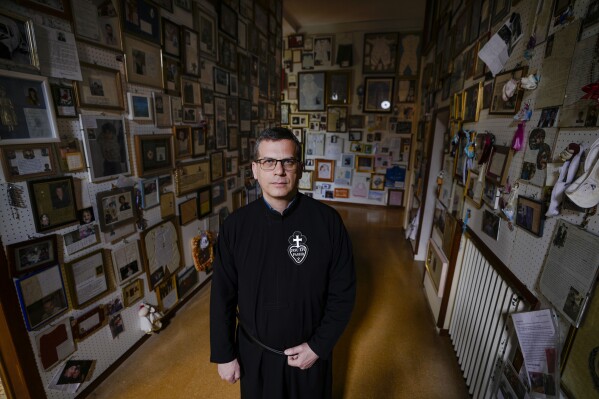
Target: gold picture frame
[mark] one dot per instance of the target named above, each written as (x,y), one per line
(87,278)
(191,176)
(133,292)
(154,154)
(436,266)
(28,161)
(161,249)
(100,87)
(144,62)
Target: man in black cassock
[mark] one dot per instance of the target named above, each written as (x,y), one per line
(285,264)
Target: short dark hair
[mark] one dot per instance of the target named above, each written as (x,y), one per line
(276,134)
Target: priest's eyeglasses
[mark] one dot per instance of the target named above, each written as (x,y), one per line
(268,164)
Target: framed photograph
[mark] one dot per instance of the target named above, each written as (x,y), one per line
(167,205)
(187,279)
(377,181)
(105,146)
(100,88)
(512,105)
(28,161)
(472,102)
(87,324)
(295,41)
(116,207)
(191,91)
(140,107)
(19,47)
(221,81)
(133,292)
(474,189)
(306,182)
(198,135)
(161,248)
(162,109)
(98,23)
(126,262)
(53,203)
(436,266)
(219,193)
(87,278)
(144,62)
(171,38)
(204,201)
(491,194)
(42,296)
(337,119)
(166,292)
(31,255)
(142,18)
(530,215)
(188,211)
(323,50)
(355,135)
(177,109)
(171,74)
(490,224)
(190,51)
(338,87)
(380,53)
(150,193)
(378,95)
(364,163)
(325,170)
(154,154)
(32,118)
(298,120)
(311,88)
(191,176)
(217,165)
(227,21)
(499,164)
(207,30)
(183,142)
(64,100)
(395,197)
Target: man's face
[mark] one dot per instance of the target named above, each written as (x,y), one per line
(278,184)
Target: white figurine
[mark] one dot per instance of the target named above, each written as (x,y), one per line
(149,318)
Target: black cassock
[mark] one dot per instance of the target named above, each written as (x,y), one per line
(293,278)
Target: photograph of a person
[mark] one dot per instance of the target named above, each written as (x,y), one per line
(75,372)
(490,224)
(106,148)
(59,195)
(86,215)
(116,325)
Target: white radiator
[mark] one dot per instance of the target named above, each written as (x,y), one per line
(478,327)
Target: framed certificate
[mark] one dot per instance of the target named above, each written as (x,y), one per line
(161,250)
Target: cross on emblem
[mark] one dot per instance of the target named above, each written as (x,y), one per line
(297,250)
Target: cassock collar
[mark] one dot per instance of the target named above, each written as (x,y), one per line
(287,210)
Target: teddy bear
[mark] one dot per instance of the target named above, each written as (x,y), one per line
(149,318)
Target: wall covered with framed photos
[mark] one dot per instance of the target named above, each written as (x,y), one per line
(119,145)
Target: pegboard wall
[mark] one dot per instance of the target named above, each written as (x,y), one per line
(523,252)
(17,225)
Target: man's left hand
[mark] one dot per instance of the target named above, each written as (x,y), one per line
(301,356)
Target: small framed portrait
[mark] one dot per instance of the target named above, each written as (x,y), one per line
(144,62)
(380,53)
(19,48)
(199,147)
(530,215)
(510,107)
(298,120)
(166,292)
(171,74)
(183,142)
(207,38)
(105,146)
(161,248)
(378,95)
(150,193)
(126,261)
(87,277)
(162,109)
(45,303)
(140,108)
(187,279)
(474,189)
(142,18)
(133,292)
(191,91)
(154,154)
(295,41)
(69,155)
(311,88)
(337,119)
(171,38)
(395,197)
(217,165)
(28,113)
(64,100)
(204,201)
(188,211)
(219,193)
(190,51)
(499,164)
(472,102)
(490,224)
(105,30)
(377,182)
(53,203)
(221,81)
(23,162)
(99,88)
(325,170)
(116,207)
(31,255)
(338,87)
(86,215)
(364,163)
(323,50)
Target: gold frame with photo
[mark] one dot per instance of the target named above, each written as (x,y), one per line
(217,167)
(100,88)
(377,182)
(472,102)
(28,28)
(512,106)
(191,176)
(145,69)
(50,211)
(107,203)
(155,239)
(123,258)
(387,85)
(133,292)
(31,255)
(81,26)
(361,168)
(148,144)
(98,269)
(167,204)
(188,211)
(322,166)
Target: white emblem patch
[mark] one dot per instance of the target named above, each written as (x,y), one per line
(298,251)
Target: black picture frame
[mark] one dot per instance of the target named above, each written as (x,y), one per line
(380,64)
(50,208)
(378,94)
(530,215)
(31,255)
(311,91)
(204,201)
(227,20)
(171,38)
(142,19)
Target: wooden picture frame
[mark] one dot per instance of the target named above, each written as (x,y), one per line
(377,182)
(380,59)
(191,176)
(311,91)
(53,203)
(221,81)
(207,30)
(512,106)
(105,145)
(142,19)
(100,88)
(167,205)
(171,38)
(530,215)
(298,120)
(190,50)
(30,100)
(183,142)
(198,135)
(166,293)
(323,47)
(338,87)
(22,52)
(104,31)
(28,161)
(499,164)
(150,193)
(162,109)
(161,249)
(171,76)
(217,165)
(143,62)
(325,170)
(133,292)
(364,163)
(204,201)
(87,277)
(472,102)
(337,119)
(63,96)
(395,197)
(154,154)
(188,211)
(29,256)
(491,194)
(126,262)
(116,207)
(474,189)
(378,94)
(88,323)
(436,266)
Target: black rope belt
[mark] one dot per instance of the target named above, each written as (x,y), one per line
(257,342)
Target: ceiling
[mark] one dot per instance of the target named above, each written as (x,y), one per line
(321,16)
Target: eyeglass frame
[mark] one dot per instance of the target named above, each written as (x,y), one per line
(297,163)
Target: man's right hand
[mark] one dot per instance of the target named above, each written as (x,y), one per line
(229,372)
